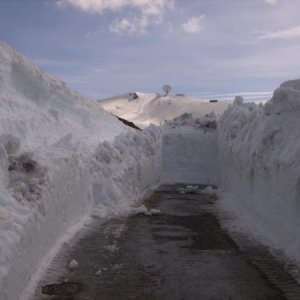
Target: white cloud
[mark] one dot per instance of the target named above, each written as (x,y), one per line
(134,25)
(149,12)
(292,32)
(194,25)
(153,7)
(271,2)
(123,26)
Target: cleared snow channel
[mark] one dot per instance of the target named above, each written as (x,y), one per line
(63,159)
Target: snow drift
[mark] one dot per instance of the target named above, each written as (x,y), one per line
(260,167)
(61,157)
(190,150)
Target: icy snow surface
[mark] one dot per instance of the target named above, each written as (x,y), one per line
(61,157)
(260,167)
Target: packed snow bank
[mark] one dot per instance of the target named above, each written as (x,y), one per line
(260,167)
(144,109)
(61,157)
(190,150)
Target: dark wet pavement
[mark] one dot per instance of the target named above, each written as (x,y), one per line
(181,254)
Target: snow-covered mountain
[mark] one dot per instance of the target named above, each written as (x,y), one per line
(143,109)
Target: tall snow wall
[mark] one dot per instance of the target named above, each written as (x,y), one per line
(62,158)
(106,183)
(260,167)
(190,150)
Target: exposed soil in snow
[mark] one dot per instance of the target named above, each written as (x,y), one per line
(182,253)
(128,123)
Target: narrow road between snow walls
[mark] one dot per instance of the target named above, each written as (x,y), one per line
(174,249)
(67,166)
(180,243)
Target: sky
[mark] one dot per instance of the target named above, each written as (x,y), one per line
(103,48)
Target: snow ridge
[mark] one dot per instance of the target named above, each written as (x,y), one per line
(260,168)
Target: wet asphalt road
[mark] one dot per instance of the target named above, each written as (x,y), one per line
(181,254)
